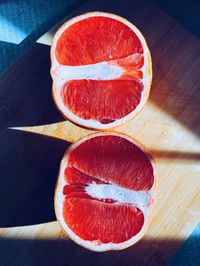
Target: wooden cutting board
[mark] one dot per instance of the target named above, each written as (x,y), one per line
(169,126)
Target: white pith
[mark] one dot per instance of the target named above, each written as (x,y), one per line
(99,71)
(141,199)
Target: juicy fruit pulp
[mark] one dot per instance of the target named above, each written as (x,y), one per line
(106,189)
(98,71)
(116,102)
(94,40)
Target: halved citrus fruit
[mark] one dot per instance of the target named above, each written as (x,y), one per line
(105,191)
(101,70)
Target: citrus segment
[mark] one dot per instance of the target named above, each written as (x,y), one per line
(74,176)
(102,222)
(113,160)
(96,39)
(103,100)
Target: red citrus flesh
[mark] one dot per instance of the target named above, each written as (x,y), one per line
(107,222)
(98,39)
(103,100)
(110,160)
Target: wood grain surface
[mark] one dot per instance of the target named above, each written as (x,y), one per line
(34,136)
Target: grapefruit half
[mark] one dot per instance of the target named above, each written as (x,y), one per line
(101,70)
(105,191)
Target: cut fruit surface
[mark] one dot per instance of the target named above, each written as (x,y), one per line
(101,70)
(105,191)
(111,39)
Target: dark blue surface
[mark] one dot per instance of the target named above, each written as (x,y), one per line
(188,254)
(22,22)
(187,12)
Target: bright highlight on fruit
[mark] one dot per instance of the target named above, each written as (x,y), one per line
(105,191)
(101,70)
